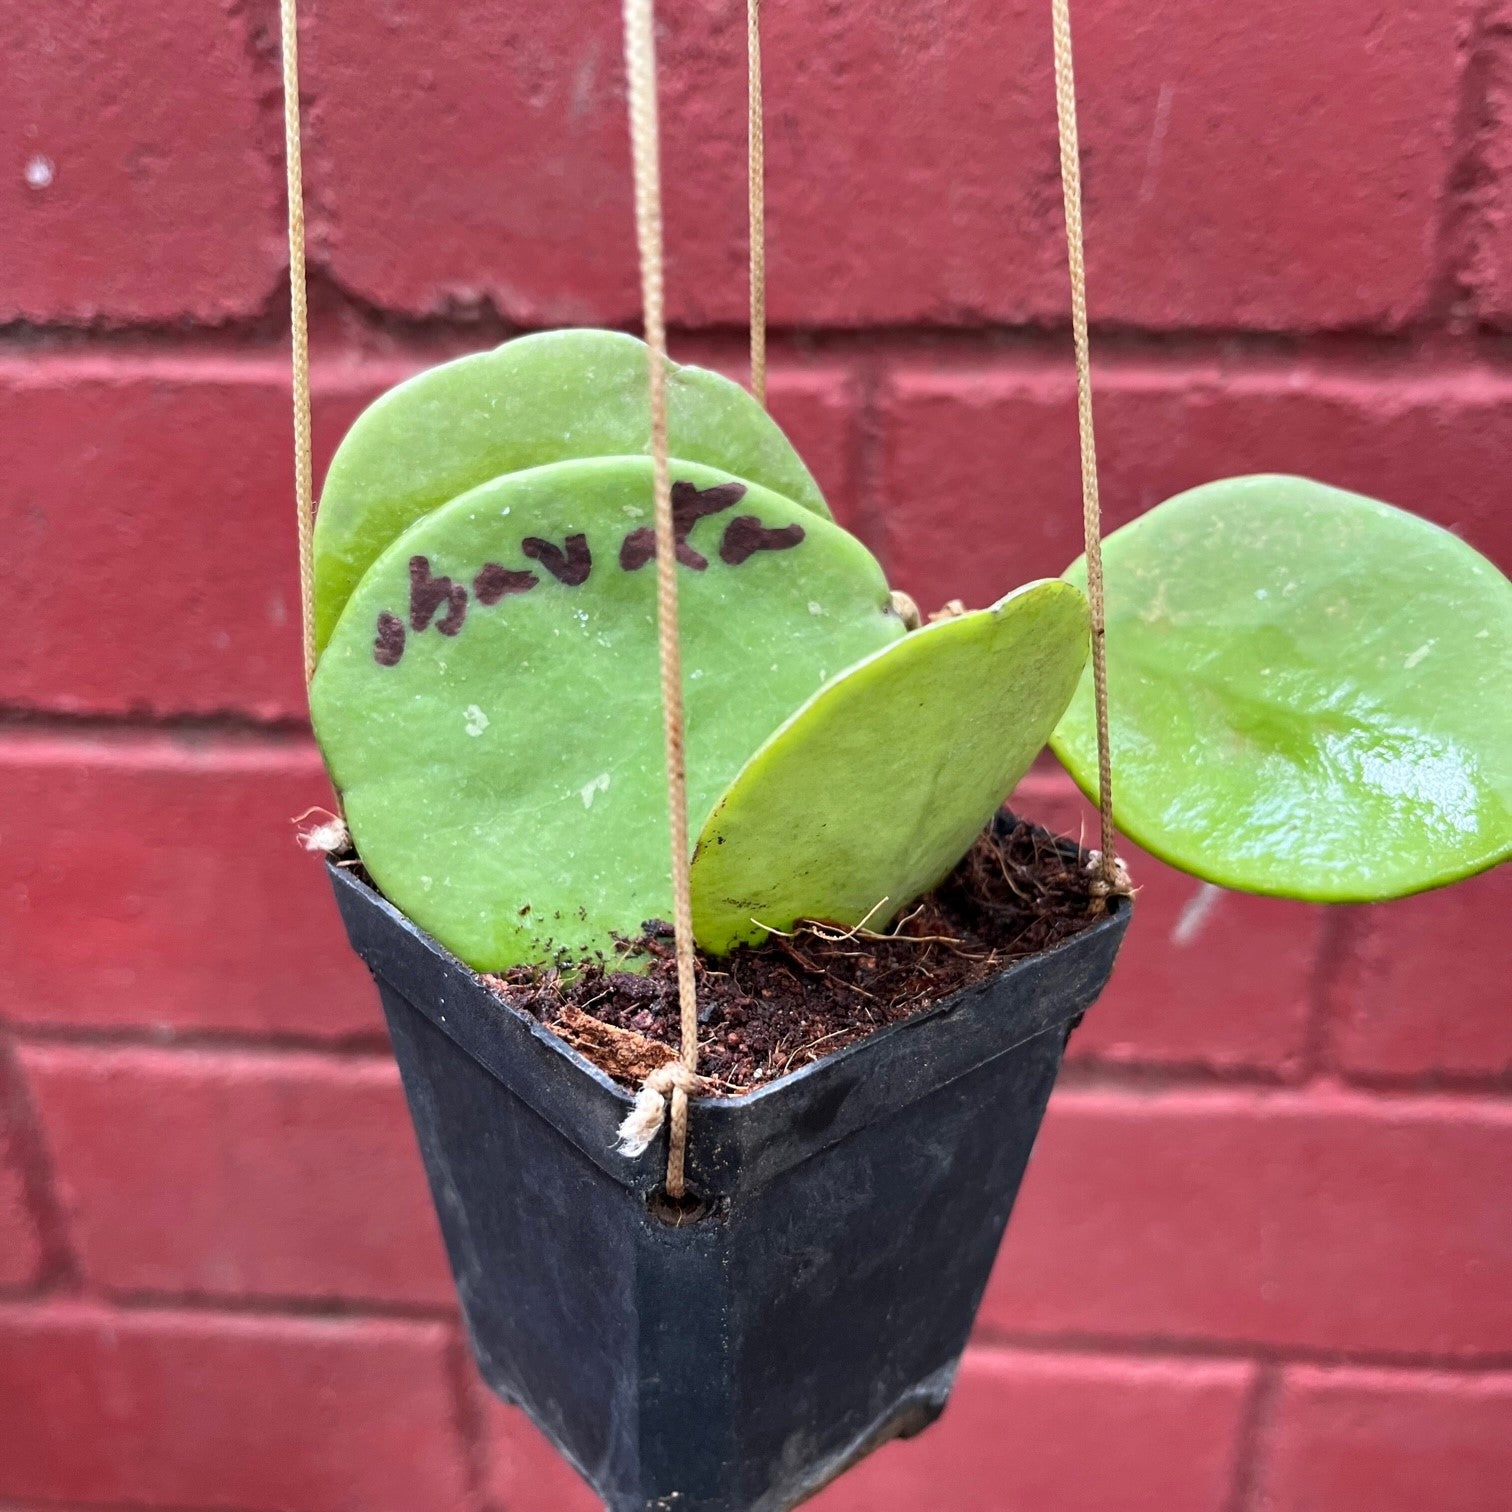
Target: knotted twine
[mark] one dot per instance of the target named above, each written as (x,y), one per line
(678,1080)
(645,151)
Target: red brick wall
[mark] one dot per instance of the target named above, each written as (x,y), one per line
(1263,1260)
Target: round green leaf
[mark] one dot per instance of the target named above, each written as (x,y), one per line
(872,791)
(1309,693)
(545,398)
(490,704)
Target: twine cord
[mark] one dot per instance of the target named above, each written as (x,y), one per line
(756,199)
(299,323)
(640,66)
(1111,877)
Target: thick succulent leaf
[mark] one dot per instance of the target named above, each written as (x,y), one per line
(1309,693)
(540,399)
(872,791)
(490,704)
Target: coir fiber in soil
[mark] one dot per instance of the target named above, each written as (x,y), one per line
(766,1010)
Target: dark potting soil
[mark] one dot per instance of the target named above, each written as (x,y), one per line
(766,1010)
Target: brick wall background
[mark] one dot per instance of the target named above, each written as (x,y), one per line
(1263,1259)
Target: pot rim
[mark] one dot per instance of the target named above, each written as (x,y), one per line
(1115,920)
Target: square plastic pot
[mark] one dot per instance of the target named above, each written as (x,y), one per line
(739,1362)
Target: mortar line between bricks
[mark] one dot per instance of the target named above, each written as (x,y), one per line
(1175,1347)
(150,1304)
(468,1419)
(256,1307)
(360,1048)
(1153,1076)
(1429,1083)
(20,722)
(50,1504)
(46,1503)
(58,1259)
(1256,1432)
(1463,219)
(868,467)
(1339,938)
(371,1047)
(396,340)
(1097,1073)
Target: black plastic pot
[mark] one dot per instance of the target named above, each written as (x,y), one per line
(739,1362)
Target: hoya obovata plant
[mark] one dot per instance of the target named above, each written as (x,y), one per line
(1308,688)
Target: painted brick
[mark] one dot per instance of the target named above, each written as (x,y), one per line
(1324,1220)
(21,1250)
(816,406)
(206,1410)
(20,1243)
(228,1174)
(147,507)
(1063,1434)
(981,486)
(135,189)
(813,398)
(522,1472)
(1206,977)
(1224,186)
(1427,988)
(1489,271)
(1389,1441)
(154,881)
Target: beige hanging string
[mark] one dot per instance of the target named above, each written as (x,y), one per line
(1112,878)
(756,199)
(299,320)
(640,66)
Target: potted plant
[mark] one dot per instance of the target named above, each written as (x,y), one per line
(1308,698)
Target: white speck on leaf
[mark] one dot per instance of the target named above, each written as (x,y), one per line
(40,172)
(1418,655)
(815,608)
(590,790)
(476,720)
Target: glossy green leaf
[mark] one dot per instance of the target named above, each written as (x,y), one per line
(490,707)
(1309,693)
(540,399)
(873,791)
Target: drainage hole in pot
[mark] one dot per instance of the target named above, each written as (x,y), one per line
(680,1212)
